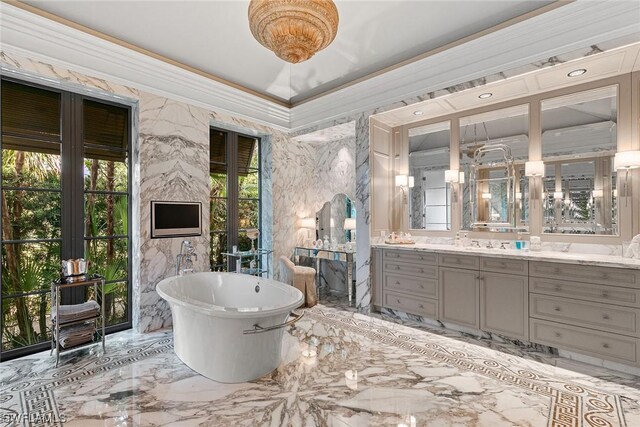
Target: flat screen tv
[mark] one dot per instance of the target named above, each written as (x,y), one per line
(176,219)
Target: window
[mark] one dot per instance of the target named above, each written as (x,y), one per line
(65,194)
(235,175)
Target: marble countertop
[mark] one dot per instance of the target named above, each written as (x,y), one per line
(552,256)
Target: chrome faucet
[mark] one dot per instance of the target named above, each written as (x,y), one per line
(489,245)
(475,244)
(186,256)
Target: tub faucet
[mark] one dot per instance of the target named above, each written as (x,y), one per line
(184,260)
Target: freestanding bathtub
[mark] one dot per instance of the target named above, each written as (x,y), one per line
(228,326)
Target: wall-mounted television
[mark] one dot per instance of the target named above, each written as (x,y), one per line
(175,219)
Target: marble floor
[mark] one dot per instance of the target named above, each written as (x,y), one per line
(339,368)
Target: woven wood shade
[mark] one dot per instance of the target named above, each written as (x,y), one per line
(293,29)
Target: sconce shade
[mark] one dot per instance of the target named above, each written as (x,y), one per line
(451,176)
(558,195)
(412,182)
(461,177)
(401,180)
(627,160)
(349,223)
(307,223)
(486,196)
(534,168)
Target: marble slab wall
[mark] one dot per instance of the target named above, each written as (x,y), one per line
(170,161)
(307,174)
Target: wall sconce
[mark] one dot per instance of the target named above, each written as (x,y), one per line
(626,160)
(461,177)
(412,182)
(535,169)
(451,177)
(402,181)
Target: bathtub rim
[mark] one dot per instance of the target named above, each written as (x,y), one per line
(232,312)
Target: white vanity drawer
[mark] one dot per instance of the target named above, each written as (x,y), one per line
(507,266)
(586,273)
(586,291)
(598,344)
(459,261)
(603,317)
(411,256)
(413,305)
(414,269)
(419,286)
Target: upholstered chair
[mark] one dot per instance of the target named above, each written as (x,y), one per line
(303,278)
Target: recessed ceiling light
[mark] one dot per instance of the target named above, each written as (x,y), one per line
(578,72)
(485,95)
(418,113)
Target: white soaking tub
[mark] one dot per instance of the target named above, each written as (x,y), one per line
(228,326)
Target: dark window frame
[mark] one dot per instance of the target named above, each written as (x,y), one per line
(72,238)
(233,198)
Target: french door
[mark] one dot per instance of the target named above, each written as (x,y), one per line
(235,177)
(65,188)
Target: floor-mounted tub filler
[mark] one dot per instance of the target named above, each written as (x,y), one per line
(228,326)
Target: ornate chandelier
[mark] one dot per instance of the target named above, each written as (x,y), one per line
(293,29)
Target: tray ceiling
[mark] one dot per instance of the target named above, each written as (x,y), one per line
(214,37)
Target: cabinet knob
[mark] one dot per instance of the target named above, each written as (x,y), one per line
(421,306)
(557,308)
(397,267)
(421,286)
(558,288)
(397,282)
(605,345)
(605,295)
(558,335)
(422,270)
(605,316)
(398,301)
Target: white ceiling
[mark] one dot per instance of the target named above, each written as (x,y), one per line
(213,36)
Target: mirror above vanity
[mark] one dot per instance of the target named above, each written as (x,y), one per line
(542,164)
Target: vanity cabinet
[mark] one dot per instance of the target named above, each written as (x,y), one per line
(459,296)
(409,281)
(504,306)
(587,309)
(485,293)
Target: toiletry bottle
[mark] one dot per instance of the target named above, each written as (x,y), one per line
(465,239)
(519,241)
(458,243)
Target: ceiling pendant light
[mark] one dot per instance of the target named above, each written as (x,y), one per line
(293,29)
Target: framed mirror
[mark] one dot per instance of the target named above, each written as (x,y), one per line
(332,220)
(494,147)
(430,195)
(579,141)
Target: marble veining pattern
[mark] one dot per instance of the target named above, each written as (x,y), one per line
(403,374)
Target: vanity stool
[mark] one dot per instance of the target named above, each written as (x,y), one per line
(303,278)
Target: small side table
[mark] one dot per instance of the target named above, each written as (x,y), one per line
(97,282)
(258,255)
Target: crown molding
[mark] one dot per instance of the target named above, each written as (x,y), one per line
(568,28)
(573,26)
(36,37)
